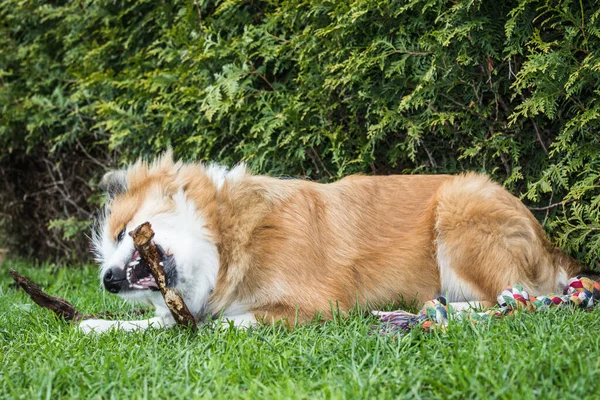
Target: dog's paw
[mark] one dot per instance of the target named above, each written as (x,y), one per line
(243,321)
(96,325)
(102,325)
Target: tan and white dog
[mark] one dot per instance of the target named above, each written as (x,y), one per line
(255,248)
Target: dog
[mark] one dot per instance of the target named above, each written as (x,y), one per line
(249,248)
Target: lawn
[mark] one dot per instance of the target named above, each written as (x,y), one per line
(545,355)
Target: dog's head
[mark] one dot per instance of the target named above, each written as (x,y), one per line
(179,200)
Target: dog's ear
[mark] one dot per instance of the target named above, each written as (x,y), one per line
(114,182)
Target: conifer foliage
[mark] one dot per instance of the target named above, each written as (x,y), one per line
(317,89)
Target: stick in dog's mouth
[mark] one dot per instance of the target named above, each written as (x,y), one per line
(155,260)
(139,276)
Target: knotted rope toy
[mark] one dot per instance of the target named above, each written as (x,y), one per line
(581,292)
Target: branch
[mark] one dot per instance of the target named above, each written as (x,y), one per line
(89,156)
(412,53)
(550,206)
(255,72)
(314,156)
(59,306)
(142,240)
(199,14)
(539,136)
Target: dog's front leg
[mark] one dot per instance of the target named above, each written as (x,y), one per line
(245,320)
(102,325)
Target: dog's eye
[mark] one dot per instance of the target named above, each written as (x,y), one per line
(121,235)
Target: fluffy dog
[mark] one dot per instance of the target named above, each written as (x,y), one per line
(255,248)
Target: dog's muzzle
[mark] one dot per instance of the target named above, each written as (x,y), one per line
(135,275)
(115,279)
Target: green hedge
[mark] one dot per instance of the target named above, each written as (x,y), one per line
(319,89)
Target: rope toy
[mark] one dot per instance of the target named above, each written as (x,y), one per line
(581,292)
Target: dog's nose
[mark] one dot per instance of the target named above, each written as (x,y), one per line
(114,279)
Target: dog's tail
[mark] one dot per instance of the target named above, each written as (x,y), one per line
(573,267)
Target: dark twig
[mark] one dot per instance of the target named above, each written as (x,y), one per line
(90,157)
(59,306)
(548,210)
(539,135)
(316,156)
(278,38)
(412,53)
(255,72)
(199,13)
(550,206)
(430,156)
(506,165)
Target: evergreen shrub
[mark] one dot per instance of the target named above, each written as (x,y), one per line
(317,89)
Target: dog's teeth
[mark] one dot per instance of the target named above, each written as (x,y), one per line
(161,264)
(138,259)
(133,263)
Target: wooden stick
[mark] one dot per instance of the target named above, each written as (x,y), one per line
(59,306)
(142,240)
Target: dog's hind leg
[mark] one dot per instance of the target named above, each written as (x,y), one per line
(486,239)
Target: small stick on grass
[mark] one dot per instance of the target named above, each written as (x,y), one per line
(142,240)
(59,306)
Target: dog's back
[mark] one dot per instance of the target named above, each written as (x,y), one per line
(297,247)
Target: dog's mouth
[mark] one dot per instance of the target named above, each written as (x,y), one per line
(138,274)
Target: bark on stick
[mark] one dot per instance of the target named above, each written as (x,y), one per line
(59,306)
(142,240)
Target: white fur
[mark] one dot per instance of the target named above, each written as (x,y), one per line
(102,245)
(239,315)
(561,280)
(102,325)
(453,288)
(465,306)
(245,320)
(219,174)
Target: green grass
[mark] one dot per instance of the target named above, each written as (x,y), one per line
(545,355)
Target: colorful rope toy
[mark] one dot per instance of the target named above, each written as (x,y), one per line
(581,292)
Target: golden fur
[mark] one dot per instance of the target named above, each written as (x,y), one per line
(289,249)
